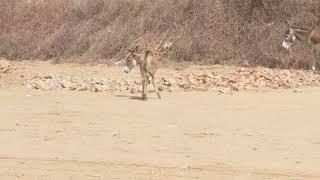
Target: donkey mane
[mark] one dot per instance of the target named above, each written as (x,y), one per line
(299,29)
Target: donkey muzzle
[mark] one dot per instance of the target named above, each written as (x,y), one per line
(286,45)
(126,69)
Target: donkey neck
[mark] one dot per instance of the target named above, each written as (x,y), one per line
(301,34)
(138,58)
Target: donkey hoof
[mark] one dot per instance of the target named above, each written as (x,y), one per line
(144,98)
(159,96)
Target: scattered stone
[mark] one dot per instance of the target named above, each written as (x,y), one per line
(235,88)
(203,89)
(297,90)
(66,84)
(161,88)
(169,81)
(222,91)
(185,86)
(238,79)
(100,88)
(133,90)
(4,66)
(94,89)
(82,88)
(72,88)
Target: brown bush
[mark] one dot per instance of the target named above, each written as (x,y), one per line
(207,32)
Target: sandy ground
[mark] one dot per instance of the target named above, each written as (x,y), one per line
(67,135)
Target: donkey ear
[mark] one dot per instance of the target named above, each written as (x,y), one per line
(288,25)
(121,61)
(136,48)
(291,30)
(132,49)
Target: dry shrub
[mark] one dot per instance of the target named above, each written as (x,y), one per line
(206,32)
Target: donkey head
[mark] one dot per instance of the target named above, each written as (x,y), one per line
(290,38)
(130,59)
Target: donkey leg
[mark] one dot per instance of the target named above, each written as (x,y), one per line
(155,87)
(314,51)
(144,89)
(142,84)
(149,82)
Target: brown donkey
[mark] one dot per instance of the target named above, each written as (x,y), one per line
(311,37)
(149,63)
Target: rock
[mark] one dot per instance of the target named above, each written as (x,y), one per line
(4,66)
(203,89)
(169,81)
(262,83)
(286,73)
(207,80)
(94,89)
(235,88)
(47,77)
(201,81)
(66,84)
(297,90)
(99,88)
(224,82)
(31,85)
(161,88)
(72,88)
(134,90)
(223,91)
(209,75)
(191,79)
(82,88)
(44,86)
(185,86)
(232,81)
(105,87)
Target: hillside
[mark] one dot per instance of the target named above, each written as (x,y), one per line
(205,32)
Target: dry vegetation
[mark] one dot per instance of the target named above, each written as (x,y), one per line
(208,31)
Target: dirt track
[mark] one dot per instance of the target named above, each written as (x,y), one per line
(194,135)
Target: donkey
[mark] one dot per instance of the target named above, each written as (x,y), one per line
(311,37)
(149,63)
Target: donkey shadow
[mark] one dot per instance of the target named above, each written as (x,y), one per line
(137,98)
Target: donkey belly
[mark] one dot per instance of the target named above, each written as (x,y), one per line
(316,46)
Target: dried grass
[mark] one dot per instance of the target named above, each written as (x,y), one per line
(205,32)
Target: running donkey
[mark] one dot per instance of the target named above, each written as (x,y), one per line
(311,37)
(148,62)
